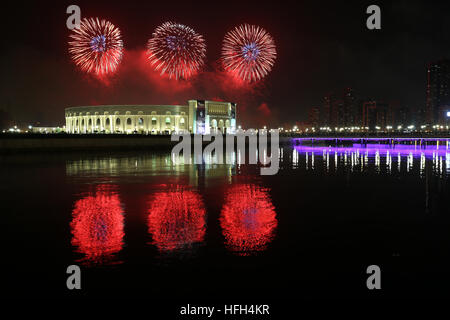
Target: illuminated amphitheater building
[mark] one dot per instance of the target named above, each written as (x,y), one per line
(199,116)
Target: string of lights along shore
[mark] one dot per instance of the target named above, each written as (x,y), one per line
(174,50)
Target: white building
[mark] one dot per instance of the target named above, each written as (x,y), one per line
(199,116)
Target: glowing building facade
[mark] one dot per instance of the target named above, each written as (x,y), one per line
(199,116)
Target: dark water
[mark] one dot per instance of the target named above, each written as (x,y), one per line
(141,226)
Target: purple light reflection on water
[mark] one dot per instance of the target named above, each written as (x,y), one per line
(370,139)
(381,149)
(357,157)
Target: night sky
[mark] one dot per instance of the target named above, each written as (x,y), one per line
(321,46)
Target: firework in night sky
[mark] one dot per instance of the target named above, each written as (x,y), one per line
(248,52)
(176,50)
(96,47)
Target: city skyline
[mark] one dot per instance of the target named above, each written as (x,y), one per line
(344,109)
(319,49)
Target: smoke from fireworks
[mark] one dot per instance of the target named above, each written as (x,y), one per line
(96,46)
(248,52)
(176,50)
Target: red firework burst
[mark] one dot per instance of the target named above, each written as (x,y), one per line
(176,50)
(248,52)
(96,46)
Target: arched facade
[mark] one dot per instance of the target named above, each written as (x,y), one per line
(148,119)
(144,119)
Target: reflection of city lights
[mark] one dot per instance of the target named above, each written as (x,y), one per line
(176,219)
(372,149)
(97,225)
(438,152)
(248,219)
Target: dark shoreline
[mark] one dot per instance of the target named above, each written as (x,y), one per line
(18,143)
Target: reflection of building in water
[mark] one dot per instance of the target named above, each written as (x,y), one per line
(151,164)
(176,219)
(97,225)
(199,116)
(248,219)
(125,165)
